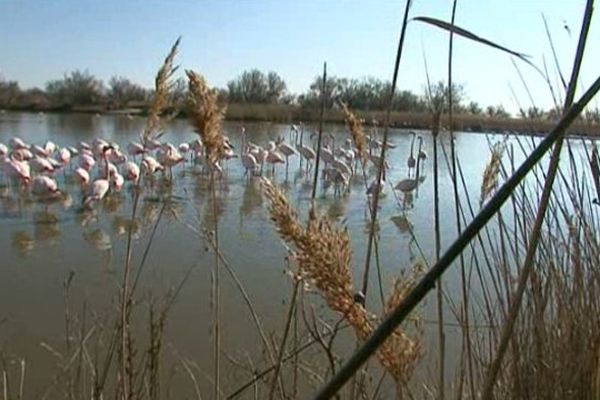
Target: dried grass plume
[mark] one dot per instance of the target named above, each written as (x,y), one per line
(356,131)
(324,258)
(162,89)
(206,116)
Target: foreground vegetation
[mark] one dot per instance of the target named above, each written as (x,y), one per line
(527,252)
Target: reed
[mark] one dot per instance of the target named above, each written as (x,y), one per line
(324,259)
(206,116)
(357,132)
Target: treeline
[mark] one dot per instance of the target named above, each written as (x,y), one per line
(79,90)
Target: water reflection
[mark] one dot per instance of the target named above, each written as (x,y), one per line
(402,223)
(98,238)
(46,227)
(122,226)
(252,199)
(22,242)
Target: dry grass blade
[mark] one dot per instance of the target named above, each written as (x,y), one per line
(490,174)
(207,115)
(162,88)
(356,131)
(324,257)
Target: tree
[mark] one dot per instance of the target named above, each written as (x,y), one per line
(535,113)
(334,88)
(474,108)
(497,112)
(437,97)
(121,91)
(592,115)
(9,92)
(276,88)
(76,88)
(254,86)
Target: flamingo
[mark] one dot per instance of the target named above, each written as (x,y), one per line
(22,154)
(287,151)
(82,176)
(97,191)
(409,184)
(50,147)
(116,156)
(249,163)
(86,162)
(411,162)
(341,166)
(117,181)
(3,149)
(273,156)
(151,166)
(41,165)
(64,156)
(132,172)
(44,187)
(373,186)
(305,151)
(17,170)
(135,149)
(38,151)
(17,143)
(84,146)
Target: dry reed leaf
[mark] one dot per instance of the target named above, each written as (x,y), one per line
(162,88)
(492,170)
(324,256)
(206,116)
(357,132)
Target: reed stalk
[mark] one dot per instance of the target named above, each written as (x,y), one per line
(381,166)
(534,237)
(323,99)
(389,324)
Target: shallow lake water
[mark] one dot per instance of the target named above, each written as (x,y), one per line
(41,246)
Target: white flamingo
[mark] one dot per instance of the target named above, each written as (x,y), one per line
(409,184)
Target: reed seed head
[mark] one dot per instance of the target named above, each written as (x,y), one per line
(492,169)
(206,116)
(355,125)
(162,89)
(324,257)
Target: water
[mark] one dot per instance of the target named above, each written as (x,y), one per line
(40,248)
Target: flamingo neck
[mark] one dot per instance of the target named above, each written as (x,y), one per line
(418,162)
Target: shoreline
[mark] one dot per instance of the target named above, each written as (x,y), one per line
(278,113)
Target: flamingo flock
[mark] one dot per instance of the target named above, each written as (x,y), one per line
(101,167)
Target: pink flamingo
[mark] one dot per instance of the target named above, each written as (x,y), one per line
(82,176)
(97,191)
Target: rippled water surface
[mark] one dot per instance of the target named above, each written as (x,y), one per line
(40,246)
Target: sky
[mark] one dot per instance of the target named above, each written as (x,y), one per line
(44,39)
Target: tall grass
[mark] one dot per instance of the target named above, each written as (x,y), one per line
(528,311)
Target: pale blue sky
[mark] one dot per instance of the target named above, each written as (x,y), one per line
(41,40)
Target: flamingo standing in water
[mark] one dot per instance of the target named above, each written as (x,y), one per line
(273,156)
(82,176)
(131,172)
(44,187)
(411,162)
(97,191)
(306,152)
(17,170)
(409,184)
(287,151)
